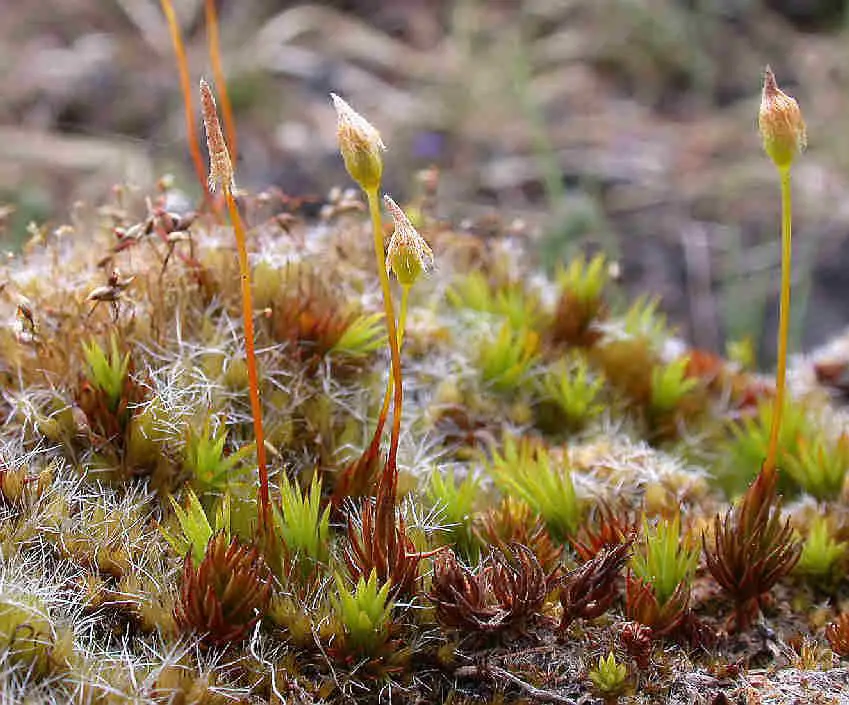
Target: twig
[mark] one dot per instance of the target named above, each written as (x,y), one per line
(543,696)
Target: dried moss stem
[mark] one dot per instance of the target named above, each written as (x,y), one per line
(380,257)
(783,321)
(250,355)
(185,89)
(214,41)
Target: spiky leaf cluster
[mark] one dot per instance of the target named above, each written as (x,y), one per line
(837,634)
(580,306)
(505,590)
(514,522)
(107,371)
(823,556)
(364,613)
(302,526)
(455,503)
(379,543)
(589,590)
(572,393)
(224,595)
(751,548)
(529,471)
(511,301)
(210,469)
(665,559)
(609,677)
(506,360)
(607,526)
(195,529)
(819,466)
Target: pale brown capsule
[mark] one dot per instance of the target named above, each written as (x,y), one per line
(178,236)
(111,293)
(113,289)
(104,293)
(220,166)
(27,328)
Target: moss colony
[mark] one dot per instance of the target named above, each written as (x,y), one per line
(571,508)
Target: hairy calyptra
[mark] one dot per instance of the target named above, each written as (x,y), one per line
(780,123)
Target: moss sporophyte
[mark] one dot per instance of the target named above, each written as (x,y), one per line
(221,175)
(784,136)
(752,547)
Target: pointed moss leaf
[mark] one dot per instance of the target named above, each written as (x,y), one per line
(195,528)
(365,335)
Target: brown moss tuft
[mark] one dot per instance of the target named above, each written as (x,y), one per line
(642,606)
(513,522)
(607,526)
(308,315)
(751,548)
(380,543)
(837,634)
(589,590)
(224,596)
(508,589)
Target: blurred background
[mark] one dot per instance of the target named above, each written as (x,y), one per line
(626,125)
